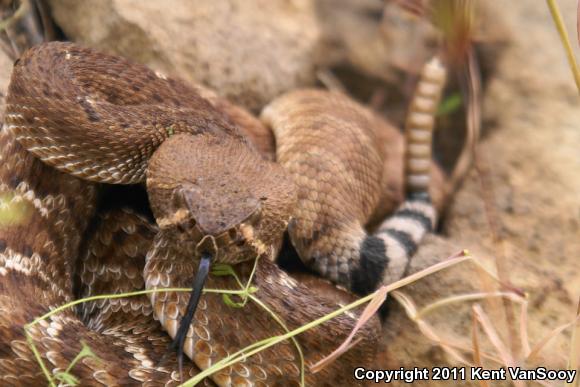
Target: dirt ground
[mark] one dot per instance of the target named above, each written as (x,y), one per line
(530,155)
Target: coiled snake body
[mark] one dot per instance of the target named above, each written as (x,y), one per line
(79,123)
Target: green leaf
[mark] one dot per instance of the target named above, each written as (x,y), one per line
(231,303)
(450,104)
(66,376)
(222,270)
(86,351)
(67,379)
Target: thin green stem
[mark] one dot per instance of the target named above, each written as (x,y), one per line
(123,295)
(61,308)
(45,370)
(73,362)
(557,16)
(237,279)
(296,344)
(251,277)
(249,283)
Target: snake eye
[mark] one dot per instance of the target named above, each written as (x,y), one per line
(235,237)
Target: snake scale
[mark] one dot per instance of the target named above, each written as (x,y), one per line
(85,133)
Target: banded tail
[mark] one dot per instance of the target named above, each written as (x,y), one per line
(386,255)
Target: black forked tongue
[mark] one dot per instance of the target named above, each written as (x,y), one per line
(196,292)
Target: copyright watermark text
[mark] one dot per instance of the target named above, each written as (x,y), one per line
(410,375)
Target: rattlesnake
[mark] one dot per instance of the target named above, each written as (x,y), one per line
(80,123)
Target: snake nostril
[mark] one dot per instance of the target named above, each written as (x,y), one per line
(186,226)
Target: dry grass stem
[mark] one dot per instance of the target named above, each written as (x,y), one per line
(495,340)
(574,358)
(476,349)
(467,297)
(546,339)
(525,341)
(561,27)
(330,81)
(426,329)
(368,313)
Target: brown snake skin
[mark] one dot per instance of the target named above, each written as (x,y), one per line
(78,121)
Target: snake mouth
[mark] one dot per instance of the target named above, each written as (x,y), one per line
(196,292)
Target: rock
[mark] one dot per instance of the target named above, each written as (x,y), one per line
(249,52)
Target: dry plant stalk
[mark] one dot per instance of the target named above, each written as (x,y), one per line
(546,339)
(496,341)
(502,312)
(414,7)
(476,349)
(574,360)
(561,27)
(449,347)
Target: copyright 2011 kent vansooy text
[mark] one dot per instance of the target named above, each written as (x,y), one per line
(410,375)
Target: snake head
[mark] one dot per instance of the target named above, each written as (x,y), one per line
(219,186)
(216,198)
